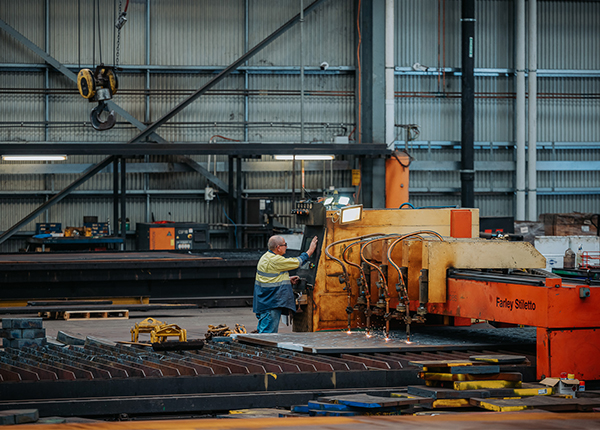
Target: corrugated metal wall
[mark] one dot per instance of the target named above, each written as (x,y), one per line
(190,39)
(429,34)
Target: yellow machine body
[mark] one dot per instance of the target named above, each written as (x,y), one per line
(327,301)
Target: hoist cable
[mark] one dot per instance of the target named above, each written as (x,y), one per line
(118,48)
(99,33)
(79,33)
(114,29)
(93,36)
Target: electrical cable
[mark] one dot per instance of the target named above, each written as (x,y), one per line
(222,137)
(410,158)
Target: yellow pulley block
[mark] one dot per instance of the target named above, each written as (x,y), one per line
(113,82)
(86,83)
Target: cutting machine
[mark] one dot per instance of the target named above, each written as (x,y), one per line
(395,267)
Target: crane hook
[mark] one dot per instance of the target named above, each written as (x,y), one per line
(97,122)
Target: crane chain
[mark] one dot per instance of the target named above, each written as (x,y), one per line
(118,39)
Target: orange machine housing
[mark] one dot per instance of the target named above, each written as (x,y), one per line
(162,238)
(396,180)
(567,319)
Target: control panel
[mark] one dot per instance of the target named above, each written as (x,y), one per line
(172,236)
(309,212)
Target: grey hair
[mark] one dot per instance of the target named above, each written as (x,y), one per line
(274,242)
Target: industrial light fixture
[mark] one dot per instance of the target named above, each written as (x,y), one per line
(350,214)
(34,157)
(336,201)
(305,157)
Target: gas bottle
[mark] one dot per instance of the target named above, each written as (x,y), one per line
(569,259)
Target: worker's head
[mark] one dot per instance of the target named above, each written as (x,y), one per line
(277,245)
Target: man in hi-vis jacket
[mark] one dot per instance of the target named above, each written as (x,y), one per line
(273,294)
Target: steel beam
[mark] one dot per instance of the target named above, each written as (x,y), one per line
(467,172)
(187,403)
(237,149)
(57,198)
(417,144)
(144,135)
(200,169)
(264,166)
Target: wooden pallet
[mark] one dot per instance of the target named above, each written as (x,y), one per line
(120,314)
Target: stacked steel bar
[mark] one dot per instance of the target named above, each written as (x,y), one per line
(21,332)
(98,360)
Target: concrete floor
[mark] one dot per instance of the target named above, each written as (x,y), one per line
(533,420)
(195,321)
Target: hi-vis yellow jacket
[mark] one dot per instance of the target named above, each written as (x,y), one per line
(272,287)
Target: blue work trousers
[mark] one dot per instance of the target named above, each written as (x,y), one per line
(268,321)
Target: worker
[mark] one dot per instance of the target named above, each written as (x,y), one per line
(273,294)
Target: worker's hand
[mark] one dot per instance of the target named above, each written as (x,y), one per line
(294,279)
(313,246)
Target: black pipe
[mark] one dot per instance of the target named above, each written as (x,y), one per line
(115,228)
(231,201)
(238,193)
(123,196)
(293,181)
(467,121)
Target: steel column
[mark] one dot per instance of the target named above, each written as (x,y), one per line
(204,172)
(520,110)
(123,203)
(116,196)
(467,123)
(370,95)
(532,115)
(238,195)
(230,201)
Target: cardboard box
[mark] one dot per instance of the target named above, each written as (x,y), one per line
(562,386)
(573,224)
